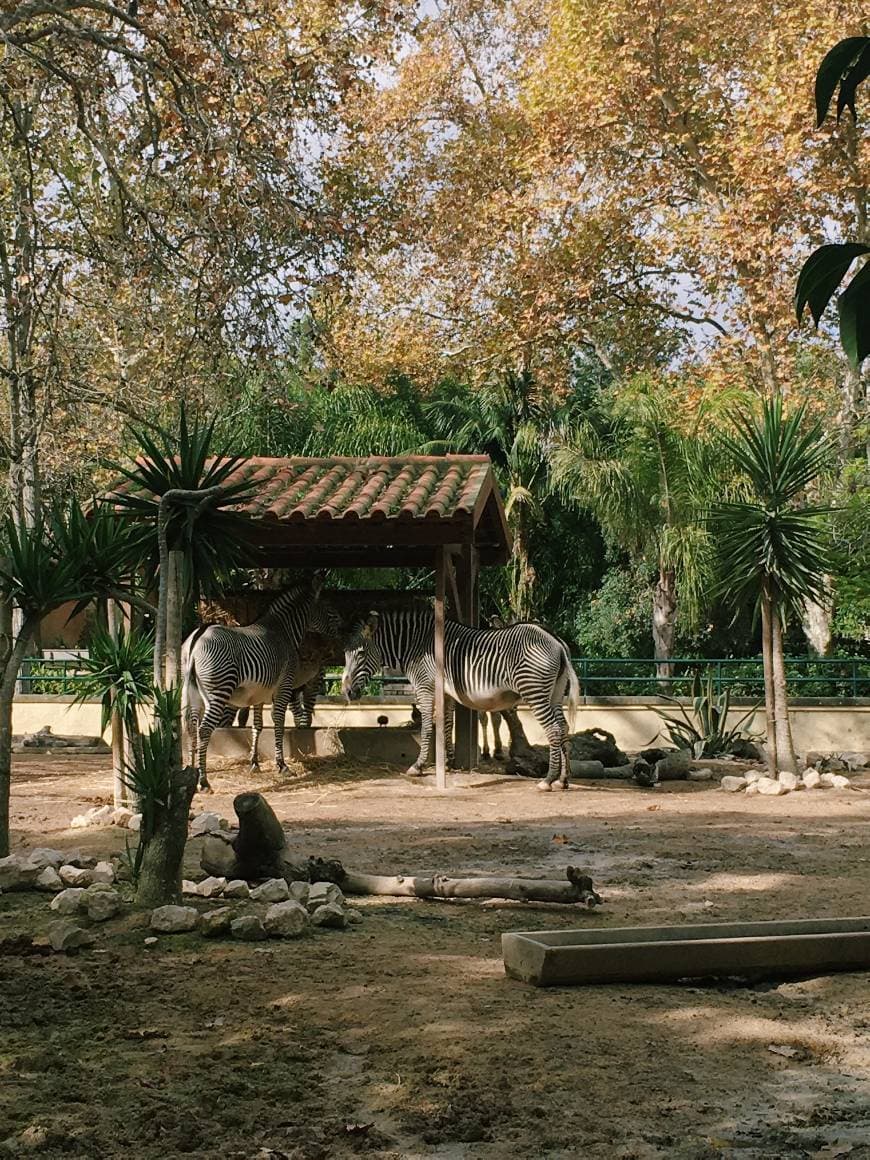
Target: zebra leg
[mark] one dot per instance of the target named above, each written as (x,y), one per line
(424,698)
(297,708)
(211,720)
(309,699)
(255,737)
(552,720)
(280,701)
(495,722)
(484,718)
(448,732)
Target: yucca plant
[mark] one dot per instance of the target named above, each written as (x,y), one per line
(706,732)
(774,547)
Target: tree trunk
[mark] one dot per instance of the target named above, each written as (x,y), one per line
(165,839)
(12,656)
(816,622)
(784,743)
(577,887)
(114,621)
(664,616)
(769,698)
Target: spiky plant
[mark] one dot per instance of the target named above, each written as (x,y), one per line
(150,775)
(118,673)
(774,546)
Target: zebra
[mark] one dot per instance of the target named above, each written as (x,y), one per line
(226,666)
(485,669)
(494,720)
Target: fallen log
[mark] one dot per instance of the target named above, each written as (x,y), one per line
(259,850)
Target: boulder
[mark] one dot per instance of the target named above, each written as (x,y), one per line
(752,789)
(42,857)
(248,928)
(80,822)
(211,887)
(272,890)
(790,781)
(218,856)
(205,823)
(674,767)
(770,786)
(835,780)
(299,892)
(103,904)
(75,876)
(174,919)
(69,901)
(135,823)
(16,873)
(353,916)
(330,915)
(66,936)
(103,872)
(752,775)
(188,887)
(237,888)
(49,880)
(855,760)
(812,779)
(732,784)
(286,919)
(215,923)
(323,894)
(121,816)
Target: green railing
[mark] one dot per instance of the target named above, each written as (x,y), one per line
(842,677)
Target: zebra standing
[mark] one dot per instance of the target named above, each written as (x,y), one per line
(254,665)
(494,720)
(485,669)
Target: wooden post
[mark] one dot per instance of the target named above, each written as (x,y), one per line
(468,612)
(174,612)
(438,715)
(114,622)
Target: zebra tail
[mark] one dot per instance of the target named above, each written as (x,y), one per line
(573,690)
(188,668)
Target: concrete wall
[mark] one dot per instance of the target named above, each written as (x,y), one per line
(633,721)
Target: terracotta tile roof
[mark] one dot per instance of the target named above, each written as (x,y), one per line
(361,508)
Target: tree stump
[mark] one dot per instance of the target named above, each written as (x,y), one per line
(164,842)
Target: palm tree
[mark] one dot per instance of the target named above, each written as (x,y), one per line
(513,422)
(645,479)
(775,548)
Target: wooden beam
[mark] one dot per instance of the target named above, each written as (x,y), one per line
(438,715)
(468,612)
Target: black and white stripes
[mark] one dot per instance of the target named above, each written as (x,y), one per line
(485,669)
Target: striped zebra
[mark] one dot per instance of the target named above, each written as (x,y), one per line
(494,720)
(254,665)
(485,669)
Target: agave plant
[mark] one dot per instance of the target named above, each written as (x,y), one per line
(706,733)
(150,776)
(118,673)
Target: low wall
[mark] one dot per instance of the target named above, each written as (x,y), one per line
(828,726)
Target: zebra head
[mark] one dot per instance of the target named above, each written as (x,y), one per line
(362,658)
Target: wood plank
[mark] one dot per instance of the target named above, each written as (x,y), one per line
(440,738)
(468,612)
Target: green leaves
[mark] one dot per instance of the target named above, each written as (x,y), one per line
(847,65)
(706,733)
(118,672)
(822,273)
(854,310)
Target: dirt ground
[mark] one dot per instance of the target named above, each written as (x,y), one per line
(402,1037)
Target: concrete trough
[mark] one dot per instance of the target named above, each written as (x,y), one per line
(385,746)
(655,954)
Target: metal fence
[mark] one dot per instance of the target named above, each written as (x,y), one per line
(842,677)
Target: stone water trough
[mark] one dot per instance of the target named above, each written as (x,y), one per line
(638,954)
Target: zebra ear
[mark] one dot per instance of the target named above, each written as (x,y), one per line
(318,580)
(370,625)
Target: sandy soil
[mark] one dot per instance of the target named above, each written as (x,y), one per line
(402,1038)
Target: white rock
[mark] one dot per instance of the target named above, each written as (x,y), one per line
(103,905)
(770,787)
(75,876)
(286,919)
(216,922)
(732,784)
(205,823)
(790,781)
(42,857)
(134,823)
(354,916)
(121,816)
(16,873)
(323,894)
(101,814)
(188,887)
(66,936)
(80,822)
(752,789)
(700,775)
(753,775)
(173,919)
(274,890)
(151,940)
(299,892)
(211,887)
(237,888)
(69,901)
(103,872)
(330,915)
(812,779)
(838,781)
(49,879)
(248,928)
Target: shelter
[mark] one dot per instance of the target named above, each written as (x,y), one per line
(443,512)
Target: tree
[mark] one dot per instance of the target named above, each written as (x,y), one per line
(64,555)
(774,546)
(643,470)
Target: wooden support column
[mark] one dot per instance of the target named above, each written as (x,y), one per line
(438,714)
(114,622)
(468,612)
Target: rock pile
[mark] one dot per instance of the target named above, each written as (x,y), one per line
(106,816)
(754,781)
(52,870)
